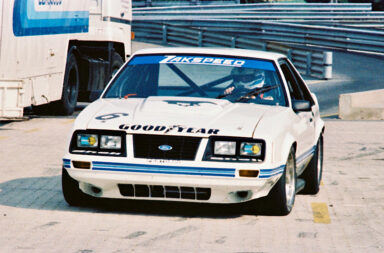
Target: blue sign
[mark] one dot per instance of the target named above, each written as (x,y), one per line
(27,21)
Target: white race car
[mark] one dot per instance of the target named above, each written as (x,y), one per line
(199,125)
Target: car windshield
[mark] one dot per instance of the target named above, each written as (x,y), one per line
(235,79)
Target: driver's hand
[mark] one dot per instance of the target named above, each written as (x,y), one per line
(229,90)
(266,97)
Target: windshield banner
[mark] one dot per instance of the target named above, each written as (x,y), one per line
(205,60)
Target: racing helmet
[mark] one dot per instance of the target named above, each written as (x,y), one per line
(248,78)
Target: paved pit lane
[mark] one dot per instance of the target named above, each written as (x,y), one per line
(346,216)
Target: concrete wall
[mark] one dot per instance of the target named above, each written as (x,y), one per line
(368,105)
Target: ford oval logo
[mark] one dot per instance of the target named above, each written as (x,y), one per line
(165,147)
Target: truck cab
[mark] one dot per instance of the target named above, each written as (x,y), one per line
(54,53)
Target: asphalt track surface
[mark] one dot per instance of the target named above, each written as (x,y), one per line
(346,216)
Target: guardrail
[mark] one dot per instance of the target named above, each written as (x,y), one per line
(150,3)
(281,16)
(338,37)
(347,14)
(267,27)
(312,62)
(259,6)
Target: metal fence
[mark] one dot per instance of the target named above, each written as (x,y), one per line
(311,62)
(337,37)
(316,27)
(151,3)
(215,7)
(292,29)
(358,15)
(356,19)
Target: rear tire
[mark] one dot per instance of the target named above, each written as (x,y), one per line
(71,191)
(116,63)
(67,104)
(313,173)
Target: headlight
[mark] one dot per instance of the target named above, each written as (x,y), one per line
(251,149)
(87,140)
(98,142)
(225,148)
(235,149)
(110,142)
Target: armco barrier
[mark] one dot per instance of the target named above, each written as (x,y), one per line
(311,62)
(281,16)
(346,38)
(258,6)
(151,3)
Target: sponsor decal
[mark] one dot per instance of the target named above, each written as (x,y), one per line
(163,161)
(111,116)
(203,60)
(187,103)
(168,129)
(50,2)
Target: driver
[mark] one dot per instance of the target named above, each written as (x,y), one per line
(246,80)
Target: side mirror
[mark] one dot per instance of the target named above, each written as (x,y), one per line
(301,106)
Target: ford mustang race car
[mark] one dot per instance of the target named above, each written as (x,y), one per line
(199,125)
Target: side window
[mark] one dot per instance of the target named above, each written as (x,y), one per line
(306,93)
(294,89)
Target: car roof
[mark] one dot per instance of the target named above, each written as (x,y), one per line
(212,51)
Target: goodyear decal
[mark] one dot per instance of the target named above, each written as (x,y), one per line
(204,60)
(167,129)
(44,17)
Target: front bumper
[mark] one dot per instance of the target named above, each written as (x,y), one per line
(209,184)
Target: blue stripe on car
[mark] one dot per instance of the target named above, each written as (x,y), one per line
(176,170)
(158,169)
(306,154)
(67,163)
(180,170)
(267,173)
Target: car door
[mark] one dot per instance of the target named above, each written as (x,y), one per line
(304,125)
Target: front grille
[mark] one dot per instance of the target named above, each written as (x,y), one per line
(159,191)
(182,148)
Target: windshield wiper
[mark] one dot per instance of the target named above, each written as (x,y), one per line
(255,92)
(223,95)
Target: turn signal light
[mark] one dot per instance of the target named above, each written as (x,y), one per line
(81,165)
(248,173)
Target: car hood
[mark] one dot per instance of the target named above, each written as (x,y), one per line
(174,116)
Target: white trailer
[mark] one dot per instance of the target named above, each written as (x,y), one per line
(56,52)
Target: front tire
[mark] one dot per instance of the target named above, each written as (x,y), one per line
(281,198)
(71,191)
(313,173)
